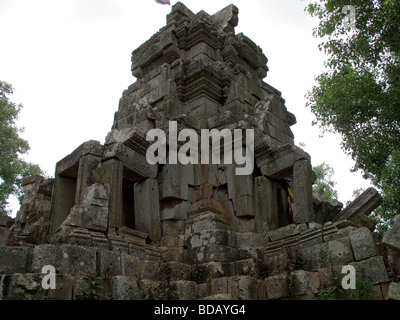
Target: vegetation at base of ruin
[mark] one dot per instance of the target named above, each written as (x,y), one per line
(166,289)
(93,289)
(12,168)
(328,293)
(364,289)
(324,185)
(293,262)
(358,95)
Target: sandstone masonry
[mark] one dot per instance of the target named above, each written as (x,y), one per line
(199,230)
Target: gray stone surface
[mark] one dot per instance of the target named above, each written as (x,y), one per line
(363,244)
(125,288)
(394,291)
(360,208)
(340,251)
(111,219)
(392,237)
(373,270)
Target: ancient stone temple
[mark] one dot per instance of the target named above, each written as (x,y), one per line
(195,230)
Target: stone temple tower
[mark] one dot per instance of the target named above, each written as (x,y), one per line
(120,215)
(197,73)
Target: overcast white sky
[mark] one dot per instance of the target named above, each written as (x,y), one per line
(69,62)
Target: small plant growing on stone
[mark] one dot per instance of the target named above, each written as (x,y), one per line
(364,288)
(93,288)
(327,293)
(166,290)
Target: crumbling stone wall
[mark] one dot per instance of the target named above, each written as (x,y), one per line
(114,226)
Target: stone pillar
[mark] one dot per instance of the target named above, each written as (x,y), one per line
(86,175)
(302,191)
(147,208)
(112,175)
(266,205)
(63,199)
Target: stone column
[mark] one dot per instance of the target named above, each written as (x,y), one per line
(266,205)
(63,199)
(147,208)
(302,191)
(86,175)
(112,175)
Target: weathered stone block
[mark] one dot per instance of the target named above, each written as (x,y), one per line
(147,208)
(340,251)
(287,231)
(327,210)
(108,263)
(26,286)
(302,191)
(363,205)
(372,269)
(363,244)
(306,258)
(239,185)
(206,221)
(244,206)
(149,270)
(4,235)
(246,288)
(322,256)
(130,266)
(392,237)
(175,210)
(277,287)
(179,271)
(250,244)
(304,282)
(175,180)
(227,18)
(67,259)
(64,288)
(219,286)
(327,277)
(125,288)
(247,267)
(211,270)
(207,237)
(15,259)
(67,165)
(186,290)
(266,205)
(394,291)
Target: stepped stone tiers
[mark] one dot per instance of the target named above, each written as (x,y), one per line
(199,231)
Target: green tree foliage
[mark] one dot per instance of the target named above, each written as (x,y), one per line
(324,185)
(12,168)
(358,96)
